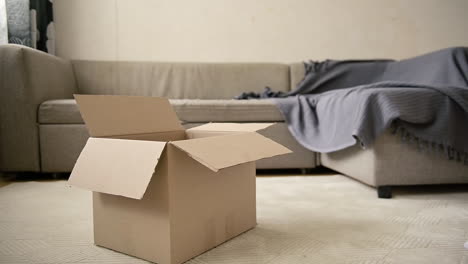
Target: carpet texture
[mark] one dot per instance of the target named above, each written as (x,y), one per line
(317,219)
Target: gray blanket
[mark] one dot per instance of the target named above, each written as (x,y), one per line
(341,103)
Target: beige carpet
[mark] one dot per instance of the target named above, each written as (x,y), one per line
(319,219)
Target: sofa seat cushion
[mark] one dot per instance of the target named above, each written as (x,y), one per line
(188,111)
(63,111)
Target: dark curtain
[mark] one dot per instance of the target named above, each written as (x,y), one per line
(42,25)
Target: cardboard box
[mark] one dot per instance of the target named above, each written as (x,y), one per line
(160,192)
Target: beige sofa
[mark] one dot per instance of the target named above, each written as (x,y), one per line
(42,130)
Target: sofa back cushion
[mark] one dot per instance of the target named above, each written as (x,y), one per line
(179,80)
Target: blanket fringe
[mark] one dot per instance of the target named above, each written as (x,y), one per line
(427,146)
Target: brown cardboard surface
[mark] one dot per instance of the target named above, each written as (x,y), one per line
(224,151)
(231,127)
(219,129)
(203,133)
(208,208)
(138,228)
(158,136)
(117,166)
(108,115)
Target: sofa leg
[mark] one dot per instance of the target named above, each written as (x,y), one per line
(384,192)
(59,175)
(306,171)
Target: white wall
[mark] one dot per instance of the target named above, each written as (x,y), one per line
(256,30)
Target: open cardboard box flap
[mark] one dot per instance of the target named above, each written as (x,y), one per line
(108,115)
(217,129)
(231,127)
(117,166)
(225,151)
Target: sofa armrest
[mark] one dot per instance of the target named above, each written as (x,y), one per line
(27,78)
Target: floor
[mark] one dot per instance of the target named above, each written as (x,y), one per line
(302,219)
